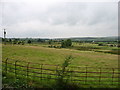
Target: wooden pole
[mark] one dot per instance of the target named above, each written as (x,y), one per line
(4,37)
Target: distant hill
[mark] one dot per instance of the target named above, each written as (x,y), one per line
(96,39)
(113,38)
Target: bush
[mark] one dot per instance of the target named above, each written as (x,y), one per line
(29,42)
(66,43)
(100,44)
(61,83)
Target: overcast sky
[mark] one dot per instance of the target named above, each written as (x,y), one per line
(59,19)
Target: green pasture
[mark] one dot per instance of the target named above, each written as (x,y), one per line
(44,55)
(106,48)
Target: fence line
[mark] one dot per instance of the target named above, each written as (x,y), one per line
(84,75)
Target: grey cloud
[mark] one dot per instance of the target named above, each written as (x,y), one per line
(70,13)
(60,19)
(107,12)
(83,13)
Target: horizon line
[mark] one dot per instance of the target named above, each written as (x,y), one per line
(63,37)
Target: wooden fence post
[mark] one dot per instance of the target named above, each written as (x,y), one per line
(6,65)
(100,77)
(86,75)
(112,75)
(27,69)
(71,72)
(15,69)
(118,77)
(41,70)
(56,72)
(27,73)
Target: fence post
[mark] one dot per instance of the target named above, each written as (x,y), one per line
(6,65)
(71,72)
(15,69)
(41,70)
(86,75)
(118,77)
(27,73)
(28,69)
(100,77)
(112,75)
(56,72)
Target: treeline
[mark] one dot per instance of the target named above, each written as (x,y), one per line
(22,41)
(63,43)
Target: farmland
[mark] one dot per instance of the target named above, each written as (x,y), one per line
(56,56)
(83,55)
(59,45)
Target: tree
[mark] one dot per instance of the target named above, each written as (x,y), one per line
(22,42)
(63,44)
(19,42)
(15,41)
(50,41)
(10,40)
(3,40)
(39,40)
(66,43)
(29,42)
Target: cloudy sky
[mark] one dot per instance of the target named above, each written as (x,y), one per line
(59,19)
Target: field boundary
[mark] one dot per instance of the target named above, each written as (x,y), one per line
(90,76)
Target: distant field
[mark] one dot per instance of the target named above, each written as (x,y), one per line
(106,48)
(46,55)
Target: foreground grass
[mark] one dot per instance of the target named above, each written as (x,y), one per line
(20,79)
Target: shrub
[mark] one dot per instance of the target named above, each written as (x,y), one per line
(61,83)
(100,44)
(66,43)
(29,42)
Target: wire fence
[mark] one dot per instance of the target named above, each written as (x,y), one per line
(90,76)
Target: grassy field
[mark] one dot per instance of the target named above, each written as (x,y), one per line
(44,55)
(56,56)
